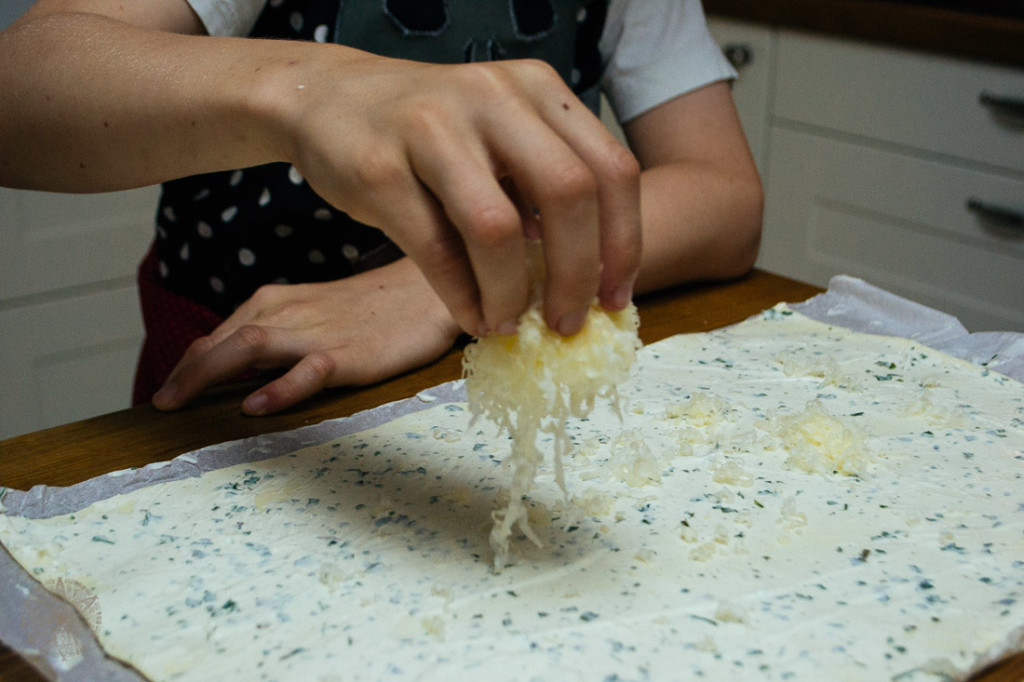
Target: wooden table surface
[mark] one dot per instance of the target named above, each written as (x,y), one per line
(75,452)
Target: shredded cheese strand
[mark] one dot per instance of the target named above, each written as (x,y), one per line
(532,382)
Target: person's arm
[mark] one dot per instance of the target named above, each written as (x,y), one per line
(350,332)
(701,194)
(701,200)
(113,95)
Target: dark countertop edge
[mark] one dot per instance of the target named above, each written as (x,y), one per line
(946,32)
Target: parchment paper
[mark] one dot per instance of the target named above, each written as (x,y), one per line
(31,615)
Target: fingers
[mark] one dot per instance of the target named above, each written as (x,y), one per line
(355,330)
(442,255)
(207,363)
(582,185)
(616,173)
(431,168)
(523,169)
(309,376)
(563,189)
(621,234)
(485,221)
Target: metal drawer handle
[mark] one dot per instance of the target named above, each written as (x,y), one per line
(738,54)
(1003,104)
(1007,217)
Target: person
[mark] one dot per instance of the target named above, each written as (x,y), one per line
(342,203)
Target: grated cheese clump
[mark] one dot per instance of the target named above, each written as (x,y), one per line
(632,461)
(702,410)
(821,443)
(531,382)
(731,472)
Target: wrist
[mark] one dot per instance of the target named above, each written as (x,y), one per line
(285,90)
(271,95)
(433,306)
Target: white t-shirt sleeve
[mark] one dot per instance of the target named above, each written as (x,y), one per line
(228,17)
(655,50)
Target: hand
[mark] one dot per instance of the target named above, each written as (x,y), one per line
(456,163)
(431,154)
(357,330)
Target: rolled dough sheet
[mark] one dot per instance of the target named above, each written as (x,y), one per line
(784,500)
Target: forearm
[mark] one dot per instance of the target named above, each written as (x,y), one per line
(701,197)
(419,150)
(106,105)
(700,222)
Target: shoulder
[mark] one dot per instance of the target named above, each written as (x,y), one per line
(656,50)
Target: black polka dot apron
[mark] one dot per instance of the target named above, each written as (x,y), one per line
(220,236)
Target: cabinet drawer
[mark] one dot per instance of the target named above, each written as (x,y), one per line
(897,221)
(56,241)
(67,359)
(902,97)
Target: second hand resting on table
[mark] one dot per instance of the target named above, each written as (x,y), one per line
(352,331)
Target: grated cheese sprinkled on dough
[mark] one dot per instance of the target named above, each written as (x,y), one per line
(531,382)
(818,442)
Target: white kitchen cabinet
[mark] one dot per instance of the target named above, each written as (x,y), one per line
(898,221)
(70,327)
(67,359)
(922,104)
(56,242)
(886,164)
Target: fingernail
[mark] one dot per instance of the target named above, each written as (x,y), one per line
(483,331)
(256,404)
(166,395)
(508,327)
(622,296)
(572,323)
